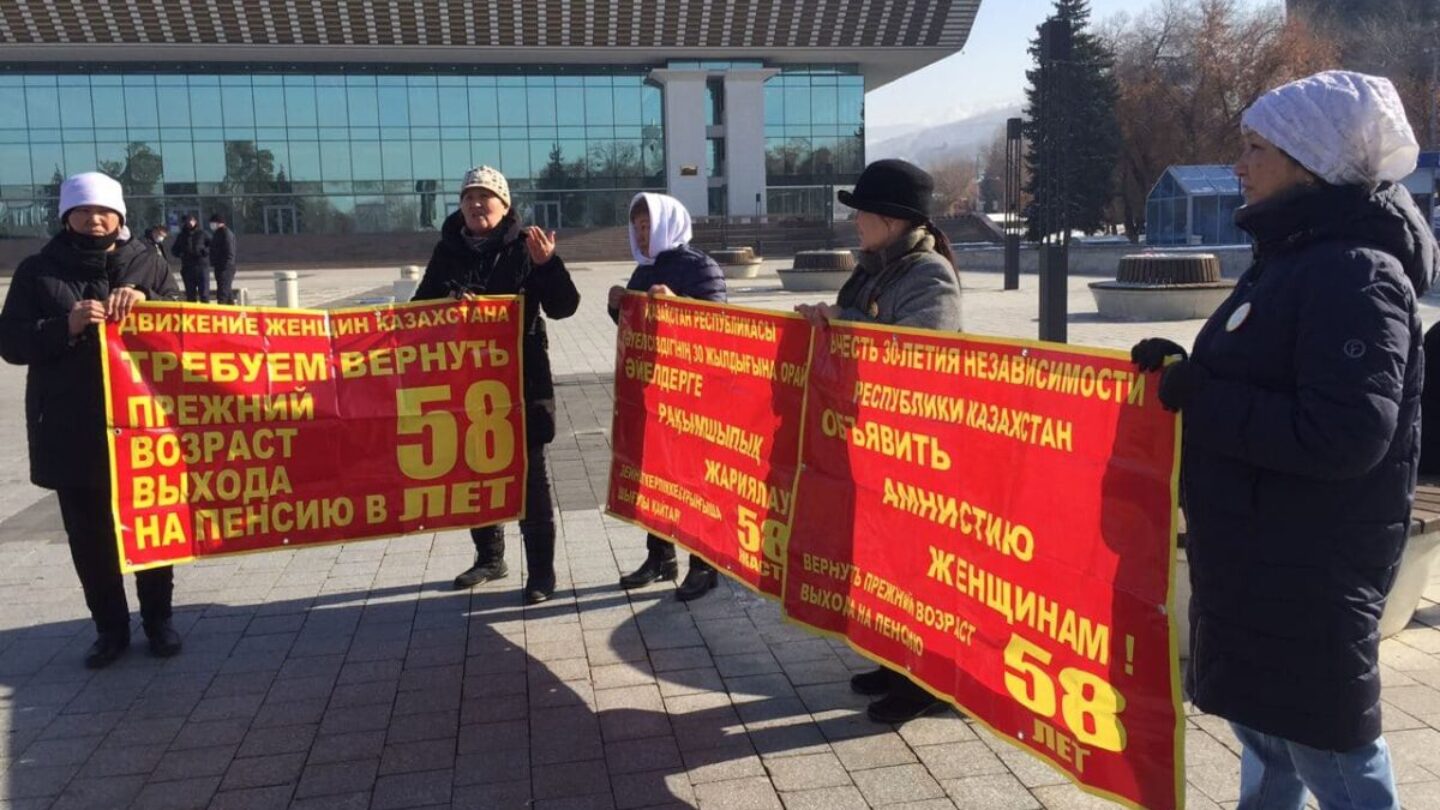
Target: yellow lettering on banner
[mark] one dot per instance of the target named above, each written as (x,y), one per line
(1065,749)
(673,490)
(712,430)
(279,326)
(748,487)
(235,522)
(913,448)
(734,324)
(457,355)
(666,378)
(190,323)
(201,486)
(149,533)
(922,357)
(1090,705)
(906,402)
(190,410)
(854,347)
(226,367)
(465,498)
(1059,376)
(423,502)
(1020,605)
(375,509)
(1022,426)
(489,438)
(348,325)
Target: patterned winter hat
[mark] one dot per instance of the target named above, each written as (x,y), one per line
(489,179)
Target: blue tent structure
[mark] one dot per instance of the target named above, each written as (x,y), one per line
(1194,205)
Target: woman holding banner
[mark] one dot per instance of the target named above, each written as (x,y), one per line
(1302,413)
(666,264)
(92,271)
(905,276)
(484,250)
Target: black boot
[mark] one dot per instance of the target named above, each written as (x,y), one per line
(654,569)
(106,650)
(540,559)
(164,641)
(699,580)
(905,702)
(489,558)
(874,682)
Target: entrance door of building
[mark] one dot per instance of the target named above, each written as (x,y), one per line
(546,214)
(280,219)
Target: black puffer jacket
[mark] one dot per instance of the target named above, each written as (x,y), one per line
(501,266)
(192,248)
(64,392)
(1299,465)
(687,271)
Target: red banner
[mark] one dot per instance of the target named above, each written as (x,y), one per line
(706,437)
(996,519)
(237,429)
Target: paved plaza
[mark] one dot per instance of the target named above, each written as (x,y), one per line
(352,676)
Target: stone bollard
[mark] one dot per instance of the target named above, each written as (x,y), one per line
(287,289)
(242,297)
(409,282)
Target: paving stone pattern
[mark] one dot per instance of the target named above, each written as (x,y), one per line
(353,677)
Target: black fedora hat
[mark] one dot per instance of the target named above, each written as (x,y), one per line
(892,188)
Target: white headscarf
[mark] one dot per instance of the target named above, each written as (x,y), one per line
(1346,128)
(669,226)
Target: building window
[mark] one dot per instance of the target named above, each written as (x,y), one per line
(330,153)
(814,137)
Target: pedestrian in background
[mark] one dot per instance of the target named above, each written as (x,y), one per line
(1301,403)
(666,264)
(484,250)
(905,276)
(222,259)
(192,248)
(155,238)
(90,272)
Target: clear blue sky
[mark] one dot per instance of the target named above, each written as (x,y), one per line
(990,72)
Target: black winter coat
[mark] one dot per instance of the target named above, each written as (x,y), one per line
(688,271)
(222,249)
(1299,463)
(1430,412)
(192,248)
(502,267)
(64,392)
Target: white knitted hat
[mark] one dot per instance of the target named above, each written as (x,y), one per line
(487,178)
(92,188)
(1346,128)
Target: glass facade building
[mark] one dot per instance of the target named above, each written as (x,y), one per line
(366,150)
(1194,205)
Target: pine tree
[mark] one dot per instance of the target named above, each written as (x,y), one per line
(1071,131)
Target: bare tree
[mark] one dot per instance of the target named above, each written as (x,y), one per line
(1186,72)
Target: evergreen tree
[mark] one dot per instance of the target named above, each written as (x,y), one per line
(1071,130)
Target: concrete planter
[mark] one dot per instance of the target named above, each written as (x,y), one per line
(1124,301)
(818,270)
(737,262)
(1410,581)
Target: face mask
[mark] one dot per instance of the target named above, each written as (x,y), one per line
(87,242)
(213,226)
(159,237)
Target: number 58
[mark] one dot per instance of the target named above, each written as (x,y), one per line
(1090,705)
(489,440)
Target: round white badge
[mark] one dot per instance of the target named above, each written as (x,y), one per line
(1238,317)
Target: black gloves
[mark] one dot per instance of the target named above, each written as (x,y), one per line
(1150,353)
(1179,384)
